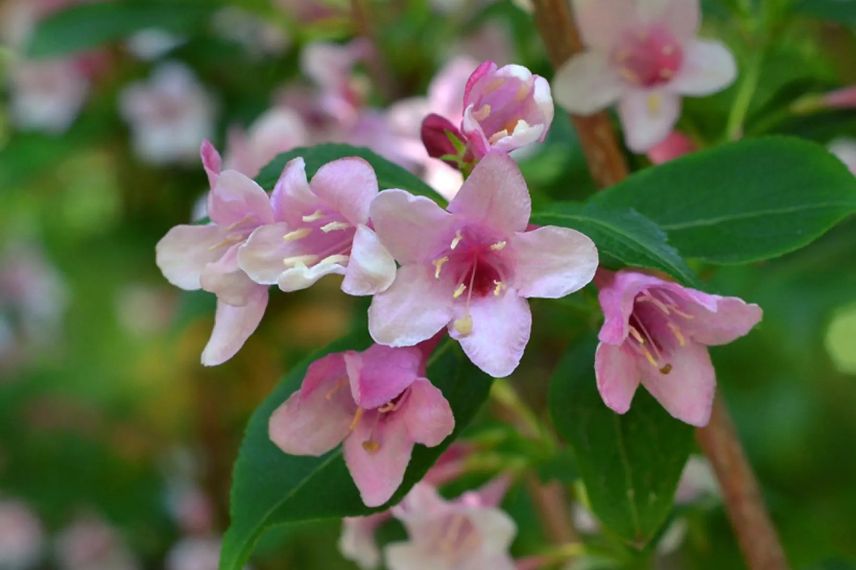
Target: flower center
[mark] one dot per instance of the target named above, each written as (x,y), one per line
(649,58)
(324,238)
(655,328)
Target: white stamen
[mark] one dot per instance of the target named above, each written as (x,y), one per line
(482,113)
(335,226)
(296,260)
(498,246)
(438,266)
(498,136)
(457,239)
(297,234)
(459,291)
(337,258)
(314,216)
(499,287)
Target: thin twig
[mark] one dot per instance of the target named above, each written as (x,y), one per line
(755,533)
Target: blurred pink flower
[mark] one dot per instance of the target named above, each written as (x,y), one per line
(643,54)
(844,98)
(89,543)
(471,268)
(275,131)
(469,533)
(330,67)
(845,150)
(676,145)
(46,95)
(21,536)
(656,333)
(320,228)
(170,114)
(206,256)
(258,36)
(194,553)
(377,402)
(357,542)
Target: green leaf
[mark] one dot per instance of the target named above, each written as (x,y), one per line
(270,487)
(630,463)
(89,25)
(842,11)
(389,174)
(741,202)
(623,237)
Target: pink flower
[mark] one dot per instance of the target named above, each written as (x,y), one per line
(377,402)
(194,553)
(320,228)
(469,533)
(471,268)
(206,256)
(643,54)
(89,543)
(357,542)
(675,145)
(656,333)
(844,98)
(505,108)
(47,95)
(21,536)
(845,150)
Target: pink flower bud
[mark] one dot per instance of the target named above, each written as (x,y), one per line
(436,135)
(841,98)
(505,108)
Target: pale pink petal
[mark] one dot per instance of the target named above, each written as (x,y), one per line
(427,414)
(617,376)
(408,556)
(681,17)
(357,541)
(648,117)
(378,471)
(587,83)
(616,296)
(413,228)
(302,277)
(552,262)
(729,319)
(484,69)
(291,198)
(226,280)
(687,390)
(233,326)
(422,504)
(381,373)
(501,326)
(316,418)
(708,67)
(496,529)
(603,22)
(413,309)
(261,256)
(371,268)
(237,201)
(211,162)
(348,185)
(523,134)
(184,251)
(495,195)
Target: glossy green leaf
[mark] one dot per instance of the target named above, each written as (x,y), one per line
(270,487)
(843,11)
(389,174)
(630,464)
(623,237)
(741,202)
(90,25)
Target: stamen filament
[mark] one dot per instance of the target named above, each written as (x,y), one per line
(335,226)
(498,246)
(357,416)
(456,240)
(459,291)
(438,266)
(314,216)
(297,234)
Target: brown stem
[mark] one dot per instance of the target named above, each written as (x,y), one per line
(743,501)
(603,153)
(551,502)
(755,533)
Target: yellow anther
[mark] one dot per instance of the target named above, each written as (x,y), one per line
(334,226)
(371,446)
(655,103)
(482,114)
(314,216)
(499,286)
(635,334)
(498,246)
(459,291)
(438,266)
(388,407)
(497,136)
(299,260)
(456,240)
(338,258)
(666,369)
(297,234)
(677,332)
(356,420)
(464,325)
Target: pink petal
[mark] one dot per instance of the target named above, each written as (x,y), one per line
(413,228)
(497,531)
(413,309)
(484,69)
(381,373)
(587,83)
(687,390)
(616,297)
(681,17)
(233,326)
(184,251)
(708,67)
(602,23)
(348,185)
(729,319)
(408,556)
(211,162)
(552,262)
(617,376)
(226,280)
(500,331)
(427,414)
(316,418)
(302,277)
(495,195)
(291,198)
(378,473)
(262,254)
(648,117)
(237,201)
(371,268)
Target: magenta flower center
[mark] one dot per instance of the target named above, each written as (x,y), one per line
(650,58)
(655,328)
(324,237)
